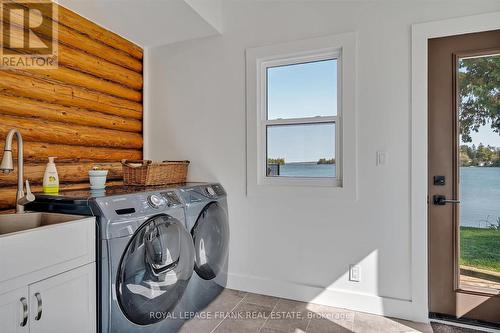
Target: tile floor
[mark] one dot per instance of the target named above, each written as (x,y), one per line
(237,311)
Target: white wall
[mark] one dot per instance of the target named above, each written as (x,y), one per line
(152,22)
(290,246)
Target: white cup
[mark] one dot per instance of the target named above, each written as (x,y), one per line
(98,179)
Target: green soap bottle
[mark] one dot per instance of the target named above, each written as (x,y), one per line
(51,178)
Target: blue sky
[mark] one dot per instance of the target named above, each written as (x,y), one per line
(301,143)
(486,136)
(300,91)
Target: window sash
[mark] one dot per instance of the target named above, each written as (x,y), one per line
(264,122)
(309,121)
(299,121)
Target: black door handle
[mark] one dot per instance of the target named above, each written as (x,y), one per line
(441,200)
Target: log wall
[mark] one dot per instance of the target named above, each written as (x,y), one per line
(86,112)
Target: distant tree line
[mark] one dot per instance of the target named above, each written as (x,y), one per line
(483,156)
(326,161)
(281,161)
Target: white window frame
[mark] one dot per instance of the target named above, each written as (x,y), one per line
(342,47)
(263,122)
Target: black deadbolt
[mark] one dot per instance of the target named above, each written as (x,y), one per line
(439,180)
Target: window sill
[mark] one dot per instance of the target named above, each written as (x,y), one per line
(300,182)
(335,189)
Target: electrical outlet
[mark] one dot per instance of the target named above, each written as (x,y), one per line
(381,158)
(355,273)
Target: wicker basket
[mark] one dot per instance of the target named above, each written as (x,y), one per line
(139,172)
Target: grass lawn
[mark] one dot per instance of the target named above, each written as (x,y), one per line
(480,248)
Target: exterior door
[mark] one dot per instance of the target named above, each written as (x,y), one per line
(464,176)
(65,302)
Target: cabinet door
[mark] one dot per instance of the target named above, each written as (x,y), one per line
(14,311)
(65,302)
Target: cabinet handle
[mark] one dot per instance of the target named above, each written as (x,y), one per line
(39,306)
(24,303)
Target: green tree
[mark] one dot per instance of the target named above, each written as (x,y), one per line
(479,88)
(279,160)
(479,156)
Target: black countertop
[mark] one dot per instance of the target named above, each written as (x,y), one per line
(108,191)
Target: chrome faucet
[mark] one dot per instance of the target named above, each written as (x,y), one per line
(7,166)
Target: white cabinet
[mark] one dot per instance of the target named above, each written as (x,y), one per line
(48,278)
(14,311)
(64,301)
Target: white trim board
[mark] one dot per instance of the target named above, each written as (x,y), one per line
(257,58)
(421,33)
(146,104)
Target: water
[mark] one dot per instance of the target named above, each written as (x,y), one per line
(307,170)
(480,196)
(479,187)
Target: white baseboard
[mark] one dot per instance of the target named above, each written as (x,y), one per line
(386,306)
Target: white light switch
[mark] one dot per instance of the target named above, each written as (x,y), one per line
(381,158)
(355,273)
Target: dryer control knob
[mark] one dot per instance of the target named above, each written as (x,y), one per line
(211,191)
(156,201)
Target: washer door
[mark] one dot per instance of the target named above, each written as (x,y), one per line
(211,238)
(155,269)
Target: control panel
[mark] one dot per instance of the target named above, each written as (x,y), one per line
(139,204)
(172,198)
(156,201)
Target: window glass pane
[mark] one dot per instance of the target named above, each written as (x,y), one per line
(302,90)
(304,150)
(479,172)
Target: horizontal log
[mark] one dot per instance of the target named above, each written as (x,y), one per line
(73,77)
(39,151)
(69,172)
(8,194)
(77,40)
(62,133)
(51,92)
(92,30)
(87,63)
(25,107)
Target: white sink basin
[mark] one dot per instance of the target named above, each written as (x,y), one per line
(10,223)
(44,242)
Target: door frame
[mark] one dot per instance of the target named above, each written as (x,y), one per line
(421,33)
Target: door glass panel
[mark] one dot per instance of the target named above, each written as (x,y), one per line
(211,241)
(155,270)
(479,170)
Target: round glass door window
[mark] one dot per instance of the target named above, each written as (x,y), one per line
(155,269)
(211,238)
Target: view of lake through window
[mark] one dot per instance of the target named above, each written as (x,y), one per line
(479,119)
(302,119)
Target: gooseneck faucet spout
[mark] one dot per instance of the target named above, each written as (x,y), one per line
(7,166)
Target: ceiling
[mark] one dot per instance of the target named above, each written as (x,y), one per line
(151,23)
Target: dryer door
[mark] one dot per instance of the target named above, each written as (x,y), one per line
(211,238)
(154,270)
